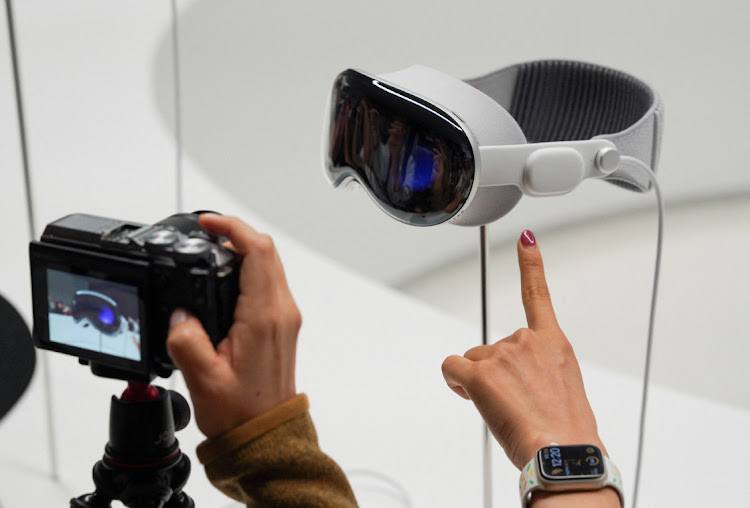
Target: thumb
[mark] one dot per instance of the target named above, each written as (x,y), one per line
(457,372)
(189,346)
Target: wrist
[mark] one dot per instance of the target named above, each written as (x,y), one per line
(575,475)
(603,498)
(533,445)
(227,441)
(216,417)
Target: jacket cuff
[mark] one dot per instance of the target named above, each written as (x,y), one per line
(211,449)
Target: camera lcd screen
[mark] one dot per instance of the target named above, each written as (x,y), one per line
(94,314)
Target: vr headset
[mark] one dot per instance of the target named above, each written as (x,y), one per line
(429,148)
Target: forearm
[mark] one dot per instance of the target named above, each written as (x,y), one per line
(274,460)
(602,498)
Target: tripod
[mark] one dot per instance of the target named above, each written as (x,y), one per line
(142,466)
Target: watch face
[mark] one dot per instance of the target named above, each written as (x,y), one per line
(570,463)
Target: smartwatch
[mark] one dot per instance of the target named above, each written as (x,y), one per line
(557,468)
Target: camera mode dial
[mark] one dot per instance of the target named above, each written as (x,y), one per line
(160,241)
(192,250)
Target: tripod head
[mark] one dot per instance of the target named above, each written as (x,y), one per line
(142,465)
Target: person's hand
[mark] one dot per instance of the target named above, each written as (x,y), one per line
(528,386)
(252,370)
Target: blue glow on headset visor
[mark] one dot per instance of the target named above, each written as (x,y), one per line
(106,316)
(413,159)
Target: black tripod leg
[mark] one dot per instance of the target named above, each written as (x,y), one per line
(180,500)
(179,476)
(94,500)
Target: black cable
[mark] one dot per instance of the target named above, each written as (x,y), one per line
(21,121)
(32,230)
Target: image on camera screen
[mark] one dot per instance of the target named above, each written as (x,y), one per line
(94,314)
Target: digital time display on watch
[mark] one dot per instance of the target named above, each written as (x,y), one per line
(577,462)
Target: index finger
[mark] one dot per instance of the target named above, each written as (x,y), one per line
(262,273)
(242,235)
(534,290)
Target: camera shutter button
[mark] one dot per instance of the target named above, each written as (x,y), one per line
(160,241)
(192,250)
(199,234)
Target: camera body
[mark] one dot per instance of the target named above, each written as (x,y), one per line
(104,289)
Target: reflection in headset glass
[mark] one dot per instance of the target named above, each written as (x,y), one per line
(409,166)
(94,314)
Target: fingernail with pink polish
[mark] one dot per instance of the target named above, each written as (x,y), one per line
(527,239)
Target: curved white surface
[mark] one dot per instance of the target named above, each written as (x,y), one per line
(263,71)
(600,274)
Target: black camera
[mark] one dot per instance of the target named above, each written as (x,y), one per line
(104,289)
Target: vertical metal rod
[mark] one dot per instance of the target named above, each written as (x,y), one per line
(177,123)
(177,103)
(21,121)
(32,233)
(487,443)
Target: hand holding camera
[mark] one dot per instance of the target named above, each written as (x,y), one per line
(252,370)
(103,289)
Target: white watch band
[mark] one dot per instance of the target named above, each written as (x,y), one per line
(531,481)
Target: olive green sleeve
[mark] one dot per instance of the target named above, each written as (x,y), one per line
(274,460)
